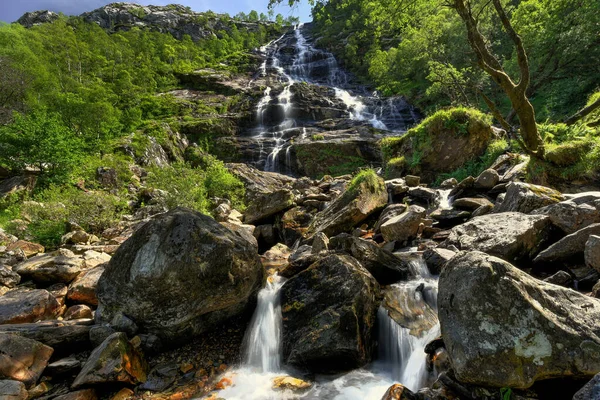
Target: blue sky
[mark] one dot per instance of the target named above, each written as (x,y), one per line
(11,10)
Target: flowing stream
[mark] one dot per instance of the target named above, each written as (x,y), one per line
(277,124)
(401,348)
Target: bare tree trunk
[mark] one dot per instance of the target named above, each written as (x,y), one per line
(516,92)
(583,112)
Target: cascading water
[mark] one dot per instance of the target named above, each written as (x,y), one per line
(291,60)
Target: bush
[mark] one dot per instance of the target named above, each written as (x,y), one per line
(369,178)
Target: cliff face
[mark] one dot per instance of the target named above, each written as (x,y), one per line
(174,19)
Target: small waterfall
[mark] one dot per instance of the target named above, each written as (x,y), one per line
(263,338)
(444,199)
(402,345)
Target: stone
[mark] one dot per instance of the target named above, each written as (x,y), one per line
(86,394)
(424,195)
(276,257)
(437,258)
(12,390)
(398,392)
(63,366)
(471,203)
(487,179)
(591,390)
(526,197)
(568,247)
(180,275)
(329,311)
(121,323)
(511,236)
(391,211)
(99,333)
(449,183)
(575,213)
(320,243)
(77,312)
(40,390)
(386,267)
(290,383)
(161,377)
(404,226)
(79,237)
(60,335)
(483,210)
(22,305)
(561,278)
(300,260)
(28,248)
(59,266)
(448,218)
(498,335)
(123,394)
(8,277)
(396,187)
(350,209)
(59,291)
(412,181)
(93,258)
(592,252)
(267,193)
(114,361)
(23,359)
(83,288)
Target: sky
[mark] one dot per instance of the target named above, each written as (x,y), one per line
(11,10)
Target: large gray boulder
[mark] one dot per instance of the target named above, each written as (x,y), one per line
(525,197)
(511,236)
(179,275)
(577,212)
(329,311)
(503,328)
(570,246)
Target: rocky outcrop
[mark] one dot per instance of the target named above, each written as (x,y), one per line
(511,236)
(179,275)
(503,328)
(525,197)
(329,311)
(114,361)
(22,305)
(575,213)
(362,198)
(23,359)
(30,19)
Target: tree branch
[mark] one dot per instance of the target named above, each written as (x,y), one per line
(583,112)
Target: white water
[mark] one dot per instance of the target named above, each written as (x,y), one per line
(445,200)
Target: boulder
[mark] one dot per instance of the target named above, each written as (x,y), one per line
(487,179)
(180,275)
(437,258)
(447,218)
(561,278)
(361,199)
(8,278)
(299,261)
(424,195)
(59,266)
(398,392)
(85,394)
(83,288)
(591,390)
(503,328)
(472,203)
(511,236)
(329,311)
(267,193)
(404,226)
(525,197)
(320,243)
(77,312)
(63,366)
(114,361)
(12,390)
(29,249)
(592,252)
(381,263)
(292,384)
(276,257)
(22,305)
(575,213)
(391,211)
(23,359)
(570,246)
(60,335)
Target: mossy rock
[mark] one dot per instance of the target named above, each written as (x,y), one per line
(569,153)
(440,144)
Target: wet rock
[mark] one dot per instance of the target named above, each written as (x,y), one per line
(568,247)
(292,384)
(123,394)
(590,391)
(12,390)
(276,257)
(447,218)
(449,183)
(77,312)
(511,236)
(121,323)
(424,195)
(300,260)
(83,288)
(86,394)
(115,360)
(40,390)
(60,266)
(329,311)
(22,305)
(575,213)
(437,258)
(63,366)
(487,179)
(525,197)
(409,310)
(398,392)
(404,226)
(29,249)
(561,278)
(99,333)
(8,278)
(592,252)
(161,377)
(23,359)
(179,275)
(320,243)
(350,209)
(483,210)
(381,263)
(60,335)
(294,224)
(497,334)
(472,203)
(396,187)
(267,193)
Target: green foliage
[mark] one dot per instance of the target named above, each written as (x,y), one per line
(317,137)
(506,393)
(368,178)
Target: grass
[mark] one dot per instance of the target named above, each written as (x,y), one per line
(368,178)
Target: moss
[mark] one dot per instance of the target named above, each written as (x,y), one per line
(317,137)
(369,178)
(295,306)
(322,159)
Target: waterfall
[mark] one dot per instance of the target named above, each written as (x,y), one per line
(445,200)
(263,337)
(402,348)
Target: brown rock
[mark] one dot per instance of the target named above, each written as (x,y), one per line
(123,394)
(472,203)
(12,390)
(60,266)
(77,312)
(28,248)
(83,288)
(22,305)
(398,392)
(86,394)
(23,359)
(290,383)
